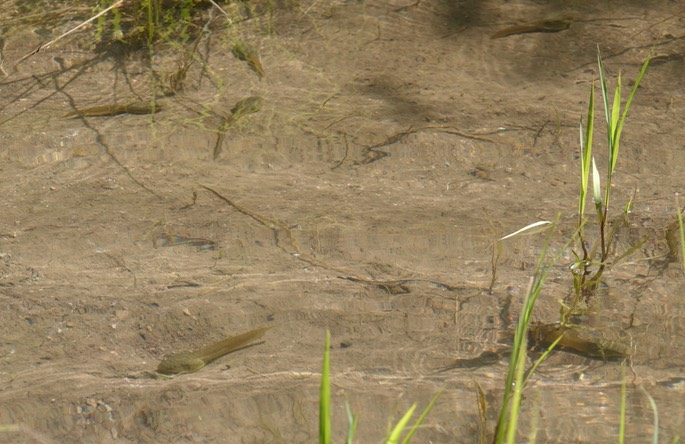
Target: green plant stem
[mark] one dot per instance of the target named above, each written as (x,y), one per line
(586,282)
(622,414)
(325,395)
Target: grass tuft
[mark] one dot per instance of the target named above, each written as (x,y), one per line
(591,262)
(516,375)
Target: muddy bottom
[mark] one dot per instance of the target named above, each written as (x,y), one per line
(360,189)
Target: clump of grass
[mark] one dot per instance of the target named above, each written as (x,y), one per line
(394,436)
(517,376)
(147,20)
(591,262)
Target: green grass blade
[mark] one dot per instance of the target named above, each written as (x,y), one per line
(352,421)
(596,185)
(613,129)
(615,114)
(586,150)
(616,127)
(584,173)
(516,398)
(655,434)
(396,432)
(605,96)
(421,418)
(542,357)
(325,396)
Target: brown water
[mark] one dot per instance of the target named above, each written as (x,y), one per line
(395,144)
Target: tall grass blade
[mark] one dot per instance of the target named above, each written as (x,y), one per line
(586,151)
(325,395)
(516,397)
(614,118)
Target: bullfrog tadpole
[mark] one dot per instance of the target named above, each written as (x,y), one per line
(192,361)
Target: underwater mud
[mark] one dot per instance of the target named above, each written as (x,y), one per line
(351,171)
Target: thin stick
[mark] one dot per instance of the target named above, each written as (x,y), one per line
(230,22)
(42,47)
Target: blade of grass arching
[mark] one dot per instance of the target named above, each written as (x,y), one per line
(396,432)
(533,228)
(352,421)
(655,434)
(519,348)
(542,357)
(421,418)
(325,395)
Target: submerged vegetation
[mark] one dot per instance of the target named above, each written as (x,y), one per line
(591,262)
(158,26)
(176,21)
(180,23)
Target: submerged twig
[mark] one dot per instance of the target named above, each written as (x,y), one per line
(46,45)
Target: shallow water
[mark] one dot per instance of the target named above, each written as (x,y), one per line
(395,144)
